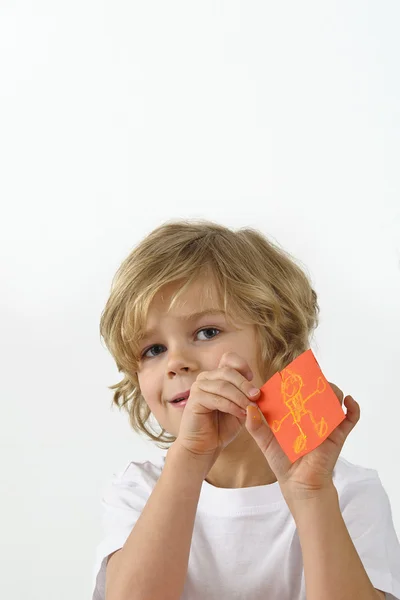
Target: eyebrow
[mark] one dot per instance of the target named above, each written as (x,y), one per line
(190,317)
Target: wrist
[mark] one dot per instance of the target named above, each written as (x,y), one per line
(187,461)
(303,499)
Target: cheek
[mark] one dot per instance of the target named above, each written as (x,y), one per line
(151,392)
(152,404)
(146,389)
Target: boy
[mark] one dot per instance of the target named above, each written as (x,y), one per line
(225,514)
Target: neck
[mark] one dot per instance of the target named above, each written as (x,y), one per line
(241,464)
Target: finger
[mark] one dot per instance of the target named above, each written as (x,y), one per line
(235,361)
(352,416)
(224,388)
(340,433)
(338,392)
(241,390)
(259,429)
(211,402)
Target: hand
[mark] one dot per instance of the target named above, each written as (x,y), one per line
(216,408)
(313,471)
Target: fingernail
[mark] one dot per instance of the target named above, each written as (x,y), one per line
(253,391)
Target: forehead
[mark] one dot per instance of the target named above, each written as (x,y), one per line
(200,295)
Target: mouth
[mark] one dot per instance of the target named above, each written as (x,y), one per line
(179,403)
(180,399)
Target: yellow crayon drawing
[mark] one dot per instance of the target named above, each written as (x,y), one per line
(293,398)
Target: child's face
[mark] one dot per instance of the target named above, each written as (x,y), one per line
(176,352)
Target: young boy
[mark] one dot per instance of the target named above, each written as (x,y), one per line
(198,319)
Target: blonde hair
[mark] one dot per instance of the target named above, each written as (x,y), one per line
(257,281)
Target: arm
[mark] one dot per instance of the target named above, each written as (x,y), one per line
(154,559)
(332,568)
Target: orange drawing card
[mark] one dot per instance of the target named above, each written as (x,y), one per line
(300,406)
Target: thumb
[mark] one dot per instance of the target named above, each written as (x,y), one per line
(258,427)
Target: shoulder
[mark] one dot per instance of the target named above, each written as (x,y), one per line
(123,499)
(145,471)
(360,491)
(348,472)
(366,510)
(367,513)
(355,483)
(131,485)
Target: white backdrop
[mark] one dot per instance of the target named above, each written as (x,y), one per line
(118,116)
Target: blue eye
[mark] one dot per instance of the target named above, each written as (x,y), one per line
(143,356)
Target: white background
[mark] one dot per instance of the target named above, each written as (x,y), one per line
(118,116)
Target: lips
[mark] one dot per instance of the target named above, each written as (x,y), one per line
(180,404)
(181,396)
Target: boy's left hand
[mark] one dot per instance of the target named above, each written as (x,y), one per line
(312,472)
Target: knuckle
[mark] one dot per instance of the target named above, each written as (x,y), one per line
(217,400)
(222,387)
(245,385)
(194,387)
(229,354)
(231,358)
(226,371)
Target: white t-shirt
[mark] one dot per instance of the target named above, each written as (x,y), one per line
(245,542)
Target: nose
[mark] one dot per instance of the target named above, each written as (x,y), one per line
(180,361)
(175,367)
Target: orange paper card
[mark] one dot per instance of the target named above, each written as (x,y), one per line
(300,406)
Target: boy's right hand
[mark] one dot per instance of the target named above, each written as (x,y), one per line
(213,416)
